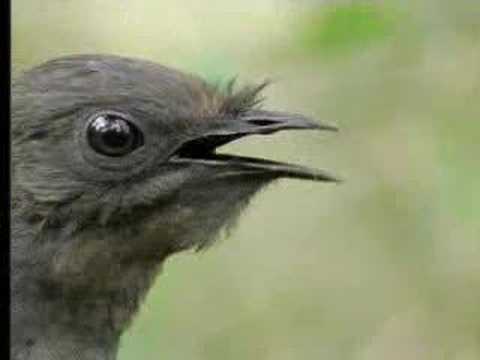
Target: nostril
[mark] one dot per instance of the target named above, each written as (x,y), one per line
(262,122)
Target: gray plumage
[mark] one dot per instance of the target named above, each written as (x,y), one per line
(114,169)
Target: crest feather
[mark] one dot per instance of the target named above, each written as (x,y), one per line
(246,98)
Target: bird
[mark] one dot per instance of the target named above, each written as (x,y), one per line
(114,169)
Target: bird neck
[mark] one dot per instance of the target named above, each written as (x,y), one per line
(86,327)
(51,330)
(53,321)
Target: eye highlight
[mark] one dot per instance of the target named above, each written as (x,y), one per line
(111,134)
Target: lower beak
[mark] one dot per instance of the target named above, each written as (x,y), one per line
(201,149)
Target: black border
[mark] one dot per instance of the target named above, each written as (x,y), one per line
(5,66)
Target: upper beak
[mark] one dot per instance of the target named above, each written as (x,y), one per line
(201,148)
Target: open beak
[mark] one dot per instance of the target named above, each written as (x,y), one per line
(201,149)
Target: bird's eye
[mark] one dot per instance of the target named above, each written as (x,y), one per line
(112,135)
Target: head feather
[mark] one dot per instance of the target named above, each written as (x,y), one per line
(236,102)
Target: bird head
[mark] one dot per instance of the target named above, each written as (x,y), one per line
(115,163)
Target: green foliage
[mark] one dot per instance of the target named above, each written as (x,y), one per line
(342,29)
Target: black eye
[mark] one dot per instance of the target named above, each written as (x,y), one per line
(111,135)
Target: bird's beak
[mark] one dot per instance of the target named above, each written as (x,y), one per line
(201,148)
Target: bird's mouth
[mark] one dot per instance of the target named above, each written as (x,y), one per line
(202,149)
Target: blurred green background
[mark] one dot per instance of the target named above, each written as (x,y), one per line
(384,266)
